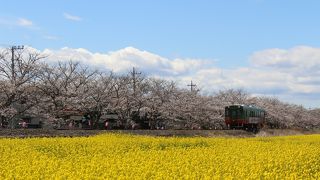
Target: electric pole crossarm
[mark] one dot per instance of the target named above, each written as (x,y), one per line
(191,86)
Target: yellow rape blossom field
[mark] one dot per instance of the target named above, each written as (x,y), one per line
(120,156)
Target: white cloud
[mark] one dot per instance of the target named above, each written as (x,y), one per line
(72,17)
(24,22)
(300,64)
(300,57)
(124,59)
(11,22)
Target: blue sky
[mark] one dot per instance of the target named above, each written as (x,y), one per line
(226,36)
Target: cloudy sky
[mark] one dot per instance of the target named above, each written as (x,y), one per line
(267,47)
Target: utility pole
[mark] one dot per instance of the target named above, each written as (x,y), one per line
(134,73)
(13,48)
(191,86)
(13,80)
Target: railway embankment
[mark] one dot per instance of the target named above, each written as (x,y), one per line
(26,133)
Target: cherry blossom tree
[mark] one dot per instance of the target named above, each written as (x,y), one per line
(18,77)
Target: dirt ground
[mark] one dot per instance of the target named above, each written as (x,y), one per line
(24,133)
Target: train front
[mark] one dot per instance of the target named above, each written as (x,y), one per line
(234,116)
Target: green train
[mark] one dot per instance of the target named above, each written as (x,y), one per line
(244,117)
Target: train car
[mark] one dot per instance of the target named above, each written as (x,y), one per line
(244,117)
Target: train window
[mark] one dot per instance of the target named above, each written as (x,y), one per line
(234,114)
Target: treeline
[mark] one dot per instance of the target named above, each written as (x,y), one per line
(28,85)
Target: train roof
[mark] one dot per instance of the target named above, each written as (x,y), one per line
(249,107)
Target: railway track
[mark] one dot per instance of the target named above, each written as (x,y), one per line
(26,133)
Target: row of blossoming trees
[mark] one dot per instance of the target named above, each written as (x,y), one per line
(29,85)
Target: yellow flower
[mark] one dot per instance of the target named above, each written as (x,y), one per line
(119,156)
